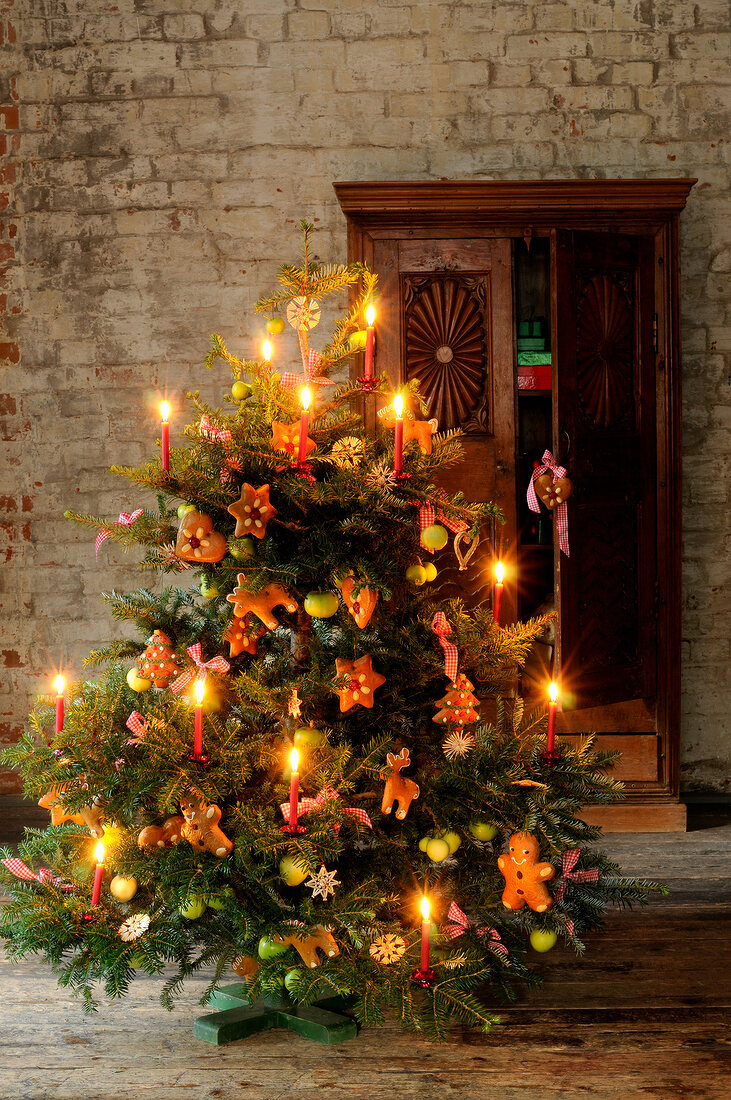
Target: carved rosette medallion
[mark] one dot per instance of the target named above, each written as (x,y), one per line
(446,347)
(604,350)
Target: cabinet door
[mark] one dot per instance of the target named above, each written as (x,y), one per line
(447,320)
(606,437)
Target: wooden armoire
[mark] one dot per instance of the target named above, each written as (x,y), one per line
(471,271)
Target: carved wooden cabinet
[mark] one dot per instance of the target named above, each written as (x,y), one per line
(470,271)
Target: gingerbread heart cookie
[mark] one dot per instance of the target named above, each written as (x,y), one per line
(551,492)
(197,541)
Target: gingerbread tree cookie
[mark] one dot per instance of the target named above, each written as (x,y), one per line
(158,661)
(525,877)
(252,511)
(457,706)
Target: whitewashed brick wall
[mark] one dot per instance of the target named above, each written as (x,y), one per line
(156,156)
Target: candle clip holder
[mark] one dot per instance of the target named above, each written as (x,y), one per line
(90,917)
(367,384)
(401,478)
(293,830)
(199,759)
(423,978)
(303,470)
(550,757)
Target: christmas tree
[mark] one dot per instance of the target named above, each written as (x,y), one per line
(257,814)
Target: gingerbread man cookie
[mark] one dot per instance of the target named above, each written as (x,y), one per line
(525,877)
(252,511)
(260,603)
(200,828)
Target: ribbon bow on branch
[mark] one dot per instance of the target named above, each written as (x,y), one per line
(126,519)
(140,728)
(562,519)
(430,511)
(44,876)
(441,628)
(218,435)
(200,672)
(568,874)
(307,804)
(310,376)
(460,925)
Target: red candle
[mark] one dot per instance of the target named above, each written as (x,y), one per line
(59,685)
(266,353)
(304,424)
(498,595)
(200,687)
(370,332)
(294,788)
(165,436)
(98,874)
(424,966)
(398,444)
(551,734)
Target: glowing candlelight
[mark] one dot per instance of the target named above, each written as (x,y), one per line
(304,424)
(370,333)
(294,788)
(398,445)
(59,684)
(266,351)
(200,688)
(425,911)
(165,435)
(497,598)
(98,874)
(552,706)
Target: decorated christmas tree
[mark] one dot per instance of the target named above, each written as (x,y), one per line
(281,801)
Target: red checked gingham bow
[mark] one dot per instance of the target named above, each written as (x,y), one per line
(200,672)
(126,519)
(460,925)
(307,804)
(310,376)
(562,518)
(140,728)
(441,628)
(218,435)
(568,874)
(430,511)
(44,876)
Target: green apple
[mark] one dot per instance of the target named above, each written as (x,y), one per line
(307,736)
(121,888)
(542,939)
(291,871)
(483,830)
(321,605)
(423,843)
(242,548)
(275,325)
(136,962)
(183,509)
(453,840)
(194,909)
(269,949)
(431,571)
(358,339)
(437,849)
(240,390)
(434,537)
(137,682)
(292,977)
(209,588)
(416,574)
(220,901)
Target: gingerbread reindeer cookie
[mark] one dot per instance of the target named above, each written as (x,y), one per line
(525,876)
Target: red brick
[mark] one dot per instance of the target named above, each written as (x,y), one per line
(10,116)
(9,352)
(8,405)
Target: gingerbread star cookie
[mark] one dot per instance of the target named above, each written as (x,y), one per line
(286,437)
(261,603)
(362,682)
(243,636)
(252,511)
(362,606)
(197,541)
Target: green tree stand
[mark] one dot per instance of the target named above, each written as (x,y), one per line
(241,1017)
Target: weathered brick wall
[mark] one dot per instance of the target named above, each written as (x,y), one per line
(156,155)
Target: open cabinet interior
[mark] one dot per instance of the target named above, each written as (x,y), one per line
(544,316)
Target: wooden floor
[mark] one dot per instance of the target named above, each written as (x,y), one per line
(645,1014)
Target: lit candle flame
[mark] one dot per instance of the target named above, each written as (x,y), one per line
(59,684)
(553,691)
(370,316)
(294,759)
(266,351)
(305,398)
(164,411)
(398,404)
(99,852)
(425,909)
(200,688)
(499,572)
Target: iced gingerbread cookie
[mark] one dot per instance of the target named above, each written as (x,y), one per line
(525,876)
